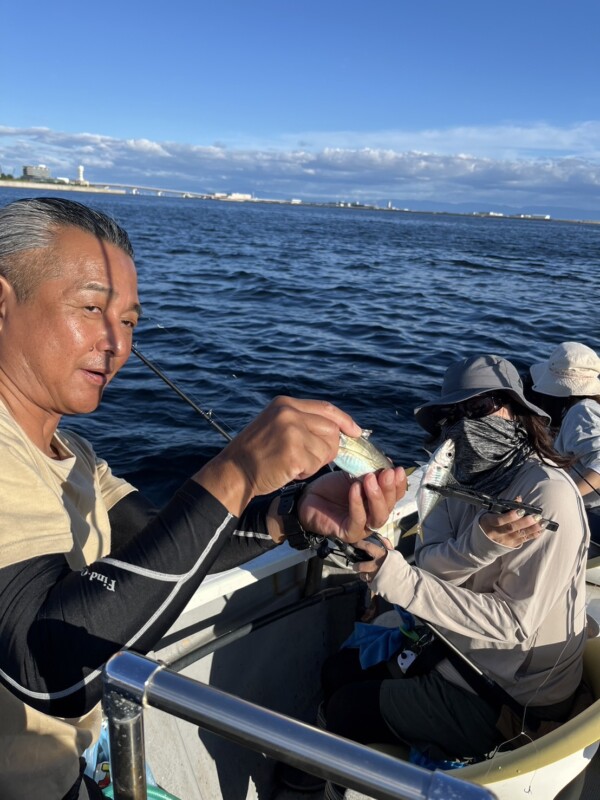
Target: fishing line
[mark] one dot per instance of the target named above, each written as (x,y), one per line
(207,415)
(173,334)
(583,478)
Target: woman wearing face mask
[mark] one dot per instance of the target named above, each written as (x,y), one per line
(506,593)
(497,434)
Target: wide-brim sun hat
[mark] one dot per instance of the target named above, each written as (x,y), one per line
(571,369)
(471,377)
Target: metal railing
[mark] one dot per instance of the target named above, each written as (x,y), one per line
(132,681)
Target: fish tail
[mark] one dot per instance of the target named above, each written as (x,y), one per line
(416,529)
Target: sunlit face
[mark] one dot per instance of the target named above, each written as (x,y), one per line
(60,348)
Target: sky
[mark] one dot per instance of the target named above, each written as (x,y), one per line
(427,105)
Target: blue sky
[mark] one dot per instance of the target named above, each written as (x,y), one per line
(425,104)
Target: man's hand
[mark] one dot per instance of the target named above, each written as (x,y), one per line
(290,440)
(332,505)
(513,528)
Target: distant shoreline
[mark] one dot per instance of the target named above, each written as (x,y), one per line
(57,187)
(154,192)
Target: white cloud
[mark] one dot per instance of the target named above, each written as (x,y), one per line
(146,146)
(508,164)
(494,141)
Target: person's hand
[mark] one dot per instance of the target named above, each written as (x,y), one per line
(290,440)
(367,570)
(332,505)
(513,528)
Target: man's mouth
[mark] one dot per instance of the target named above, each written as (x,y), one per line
(99,377)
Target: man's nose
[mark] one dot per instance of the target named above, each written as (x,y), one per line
(114,340)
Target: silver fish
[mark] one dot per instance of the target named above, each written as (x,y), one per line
(357,455)
(437,472)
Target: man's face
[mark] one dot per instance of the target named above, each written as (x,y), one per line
(60,348)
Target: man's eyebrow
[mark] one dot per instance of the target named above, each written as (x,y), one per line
(99,287)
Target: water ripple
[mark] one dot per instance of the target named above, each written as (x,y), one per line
(366,309)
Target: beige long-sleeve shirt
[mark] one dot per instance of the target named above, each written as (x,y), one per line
(519,614)
(49,506)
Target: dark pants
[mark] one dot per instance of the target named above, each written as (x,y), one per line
(427,711)
(440,718)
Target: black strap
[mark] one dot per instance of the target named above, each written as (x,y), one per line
(530,717)
(482,684)
(487,688)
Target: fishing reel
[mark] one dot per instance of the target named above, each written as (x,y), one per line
(354,554)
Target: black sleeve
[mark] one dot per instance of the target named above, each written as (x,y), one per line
(58,627)
(250,538)
(128,517)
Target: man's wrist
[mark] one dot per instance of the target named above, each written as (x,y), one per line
(224,479)
(287,510)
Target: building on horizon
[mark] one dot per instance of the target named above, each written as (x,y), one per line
(81,181)
(39,172)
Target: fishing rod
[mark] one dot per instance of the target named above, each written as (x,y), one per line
(206,414)
(497,505)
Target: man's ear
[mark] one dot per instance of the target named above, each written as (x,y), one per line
(7,293)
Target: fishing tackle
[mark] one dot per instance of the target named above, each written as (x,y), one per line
(355,554)
(497,505)
(365,454)
(206,414)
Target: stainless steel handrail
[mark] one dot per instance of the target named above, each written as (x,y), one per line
(132,681)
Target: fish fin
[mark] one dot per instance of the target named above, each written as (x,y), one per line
(365,433)
(416,529)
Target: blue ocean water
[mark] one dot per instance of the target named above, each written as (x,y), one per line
(363,308)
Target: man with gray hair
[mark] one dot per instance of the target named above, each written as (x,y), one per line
(86,567)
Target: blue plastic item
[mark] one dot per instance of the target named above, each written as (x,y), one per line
(97,758)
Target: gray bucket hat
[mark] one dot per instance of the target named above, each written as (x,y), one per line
(471,377)
(571,369)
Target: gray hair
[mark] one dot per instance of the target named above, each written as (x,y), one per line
(31,224)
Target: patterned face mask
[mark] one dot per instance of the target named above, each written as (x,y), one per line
(489,452)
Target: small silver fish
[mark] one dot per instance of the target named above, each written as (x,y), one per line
(437,472)
(357,455)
